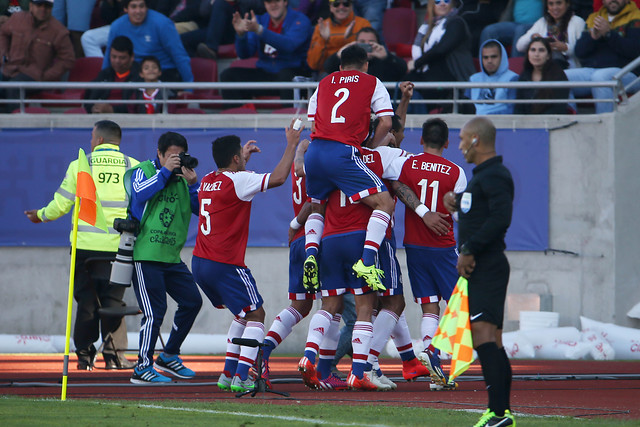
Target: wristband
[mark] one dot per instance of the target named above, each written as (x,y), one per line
(421,210)
(295,224)
(260,30)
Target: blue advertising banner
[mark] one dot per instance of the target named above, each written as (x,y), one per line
(37,159)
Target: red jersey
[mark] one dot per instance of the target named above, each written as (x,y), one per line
(342,105)
(225,210)
(298,196)
(343,216)
(430,177)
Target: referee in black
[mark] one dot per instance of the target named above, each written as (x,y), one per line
(484,211)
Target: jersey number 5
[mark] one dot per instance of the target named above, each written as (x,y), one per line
(205,227)
(343,94)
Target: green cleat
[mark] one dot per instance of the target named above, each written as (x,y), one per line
(310,277)
(370,274)
(224,382)
(490,419)
(485,418)
(239,386)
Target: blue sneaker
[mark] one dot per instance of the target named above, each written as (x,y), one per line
(174,366)
(148,375)
(431,361)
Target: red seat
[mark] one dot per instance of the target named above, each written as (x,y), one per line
(399,26)
(204,70)
(243,109)
(77,110)
(84,70)
(516,64)
(227,51)
(33,110)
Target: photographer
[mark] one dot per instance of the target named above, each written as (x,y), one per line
(383,64)
(164,194)
(108,167)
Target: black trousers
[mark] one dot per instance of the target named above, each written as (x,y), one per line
(91,295)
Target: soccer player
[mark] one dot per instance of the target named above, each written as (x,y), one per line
(429,241)
(218,263)
(340,110)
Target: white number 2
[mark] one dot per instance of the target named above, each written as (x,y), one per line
(343,94)
(206,225)
(434,195)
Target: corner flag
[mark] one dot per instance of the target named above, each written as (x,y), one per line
(454,331)
(90,207)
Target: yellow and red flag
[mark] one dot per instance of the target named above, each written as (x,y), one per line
(454,331)
(90,207)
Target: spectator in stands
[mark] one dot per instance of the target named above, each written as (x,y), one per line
(150,72)
(205,41)
(314,9)
(280,37)
(525,13)
(34,46)
(184,13)
(494,68)
(152,34)
(480,13)
(441,49)
(372,11)
(9,7)
(123,68)
(562,27)
(540,67)
(76,16)
(383,64)
(610,41)
(334,32)
(95,40)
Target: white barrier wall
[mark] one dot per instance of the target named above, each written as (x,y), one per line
(593,217)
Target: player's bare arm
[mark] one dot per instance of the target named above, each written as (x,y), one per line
(435,221)
(282,169)
(381,131)
(298,160)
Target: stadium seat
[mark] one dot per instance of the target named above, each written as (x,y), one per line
(227,51)
(244,63)
(77,110)
(189,111)
(516,64)
(399,26)
(33,110)
(205,71)
(84,70)
(243,109)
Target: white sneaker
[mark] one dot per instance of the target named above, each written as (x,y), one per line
(239,386)
(224,382)
(385,380)
(372,376)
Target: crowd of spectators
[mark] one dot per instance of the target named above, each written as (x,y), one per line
(39,40)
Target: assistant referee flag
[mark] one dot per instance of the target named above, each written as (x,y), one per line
(454,331)
(90,207)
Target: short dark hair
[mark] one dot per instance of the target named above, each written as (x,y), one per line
(168,139)
(125,3)
(353,55)
(435,132)
(492,43)
(369,30)
(396,124)
(151,58)
(122,44)
(109,130)
(224,148)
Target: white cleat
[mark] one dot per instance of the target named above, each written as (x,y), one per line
(372,376)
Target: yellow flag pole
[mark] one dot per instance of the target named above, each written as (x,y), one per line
(72,272)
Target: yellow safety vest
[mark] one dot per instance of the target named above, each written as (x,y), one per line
(108,166)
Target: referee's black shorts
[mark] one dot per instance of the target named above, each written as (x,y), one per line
(488,288)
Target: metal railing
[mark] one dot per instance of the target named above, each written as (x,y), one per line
(619,95)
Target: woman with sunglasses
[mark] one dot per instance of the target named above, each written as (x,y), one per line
(539,67)
(441,50)
(334,32)
(562,26)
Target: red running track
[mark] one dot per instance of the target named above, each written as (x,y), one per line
(589,389)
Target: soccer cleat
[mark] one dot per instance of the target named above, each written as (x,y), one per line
(148,375)
(370,274)
(432,363)
(265,373)
(239,386)
(489,419)
(309,375)
(385,380)
(333,382)
(174,366)
(363,383)
(372,376)
(451,385)
(412,369)
(224,382)
(310,276)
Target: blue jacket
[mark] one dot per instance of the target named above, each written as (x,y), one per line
(157,36)
(503,74)
(278,51)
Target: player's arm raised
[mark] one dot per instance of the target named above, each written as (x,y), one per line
(283,168)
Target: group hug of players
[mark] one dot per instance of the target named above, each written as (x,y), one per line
(341,239)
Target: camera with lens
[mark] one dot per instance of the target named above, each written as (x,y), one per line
(186,160)
(366,46)
(122,267)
